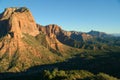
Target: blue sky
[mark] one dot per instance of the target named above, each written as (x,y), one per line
(79,15)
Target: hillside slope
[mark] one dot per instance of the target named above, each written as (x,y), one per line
(19,49)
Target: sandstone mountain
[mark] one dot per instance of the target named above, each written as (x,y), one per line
(19,49)
(24,44)
(52,33)
(61,36)
(18,21)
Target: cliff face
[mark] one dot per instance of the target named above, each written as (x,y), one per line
(15,22)
(51,32)
(19,21)
(19,49)
(56,36)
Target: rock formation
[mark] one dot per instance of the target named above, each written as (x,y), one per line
(52,31)
(56,36)
(19,49)
(19,21)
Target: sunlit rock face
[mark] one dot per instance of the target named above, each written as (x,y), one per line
(56,36)
(17,50)
(18,21)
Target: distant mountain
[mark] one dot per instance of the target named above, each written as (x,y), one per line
(116,35)
(99,34)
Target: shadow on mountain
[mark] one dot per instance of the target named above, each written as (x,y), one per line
(3,28)
(107,63)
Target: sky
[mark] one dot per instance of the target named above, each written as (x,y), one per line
(76,15)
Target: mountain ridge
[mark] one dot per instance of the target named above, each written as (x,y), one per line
(24,43)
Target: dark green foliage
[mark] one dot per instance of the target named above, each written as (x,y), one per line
(66,75)
(103,76)
(75,75)
(63,75)
(13,60)
(42,39)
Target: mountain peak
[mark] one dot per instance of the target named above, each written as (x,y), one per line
(17,21)
(17,9)
(50,29)
(99,34)
(9,11)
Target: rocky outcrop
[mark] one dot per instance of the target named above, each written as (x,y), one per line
(19,49)
(51,32)
(19,21)
(14,23)
(55,36)
(86,36)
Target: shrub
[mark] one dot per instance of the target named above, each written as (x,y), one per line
(103,76)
